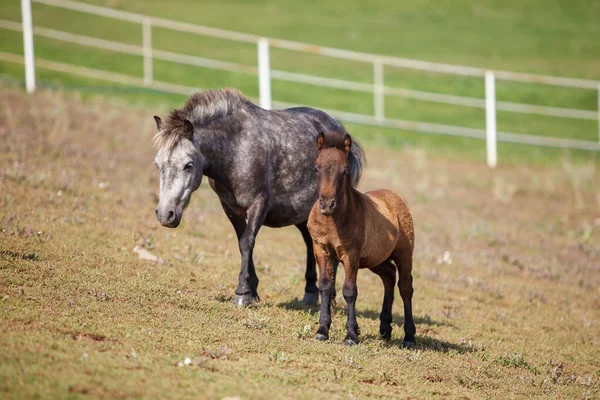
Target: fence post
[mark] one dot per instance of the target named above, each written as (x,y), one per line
(264,74)
(28,45)
(378,89)
(147,43)
(490,118)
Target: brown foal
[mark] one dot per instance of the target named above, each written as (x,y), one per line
(369,230)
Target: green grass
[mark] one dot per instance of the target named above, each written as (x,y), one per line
(539,37)
(515,313)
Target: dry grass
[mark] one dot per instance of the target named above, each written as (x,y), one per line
(507,274)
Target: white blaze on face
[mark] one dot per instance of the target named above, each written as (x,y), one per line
(180,172)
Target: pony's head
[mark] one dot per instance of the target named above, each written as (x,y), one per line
(333,172)
(180,167)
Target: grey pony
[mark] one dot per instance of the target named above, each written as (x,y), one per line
(260,163)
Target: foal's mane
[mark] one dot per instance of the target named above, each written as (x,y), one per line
(200,109)
(333,140)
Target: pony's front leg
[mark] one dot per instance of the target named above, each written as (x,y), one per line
(350,292)
(247,289)
(311,291)
(326,264)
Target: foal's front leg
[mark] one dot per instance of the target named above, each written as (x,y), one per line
(326,264)
(350,292)
(247,289)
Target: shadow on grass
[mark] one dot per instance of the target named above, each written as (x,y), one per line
(20,256)
(399,319)
(298,305)
(224,299)
(424,343)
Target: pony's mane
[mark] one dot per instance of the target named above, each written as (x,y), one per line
(200,109)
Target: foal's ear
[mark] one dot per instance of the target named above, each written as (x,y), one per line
(188,129)
(158,122)
(347,143)
(320,140)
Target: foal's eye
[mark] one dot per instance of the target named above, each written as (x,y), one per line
(188,166)
(344,172)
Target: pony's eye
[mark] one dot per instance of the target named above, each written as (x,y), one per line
(188,166)
(317,170)
(344,172)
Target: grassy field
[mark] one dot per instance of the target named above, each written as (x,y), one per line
(511,310)
(543,37)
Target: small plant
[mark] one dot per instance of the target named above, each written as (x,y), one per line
(220,354)
(256,321)
(279,356)
(145,241)
(515,360)
(281,287)
(352,363)
(99,296)
(303,332)
(413,355)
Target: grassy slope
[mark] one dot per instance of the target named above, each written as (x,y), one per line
(540,37)
(515,314)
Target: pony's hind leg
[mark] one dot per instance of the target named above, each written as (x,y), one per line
(311,291)
(387,273)
(403,262)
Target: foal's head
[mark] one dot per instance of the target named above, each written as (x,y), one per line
(332,170)
(180,166)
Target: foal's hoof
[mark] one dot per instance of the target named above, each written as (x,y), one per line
(349,342)
(321,337)
(311,298)
(245,300)
(408,345)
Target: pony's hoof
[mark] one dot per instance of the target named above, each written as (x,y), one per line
(386,335)
(321,337)
(245,300)
(408,345)
(311,298)
(349,342)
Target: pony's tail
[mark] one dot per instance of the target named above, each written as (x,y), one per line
(357,161)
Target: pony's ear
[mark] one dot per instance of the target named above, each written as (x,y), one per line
(158,122)
(320,140)
(188,129)
(347,143)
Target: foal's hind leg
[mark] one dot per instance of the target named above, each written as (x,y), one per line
(387,273)
(403,262)
(311,291)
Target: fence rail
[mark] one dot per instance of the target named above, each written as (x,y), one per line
(377,87)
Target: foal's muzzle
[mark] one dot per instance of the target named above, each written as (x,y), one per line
(327,205)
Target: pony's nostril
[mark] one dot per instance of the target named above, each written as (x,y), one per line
(156,211)
(170,216)
(332,204)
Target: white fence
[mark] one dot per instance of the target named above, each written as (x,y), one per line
(265,74)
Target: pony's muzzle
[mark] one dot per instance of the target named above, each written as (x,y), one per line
(327,205)
(168,217)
